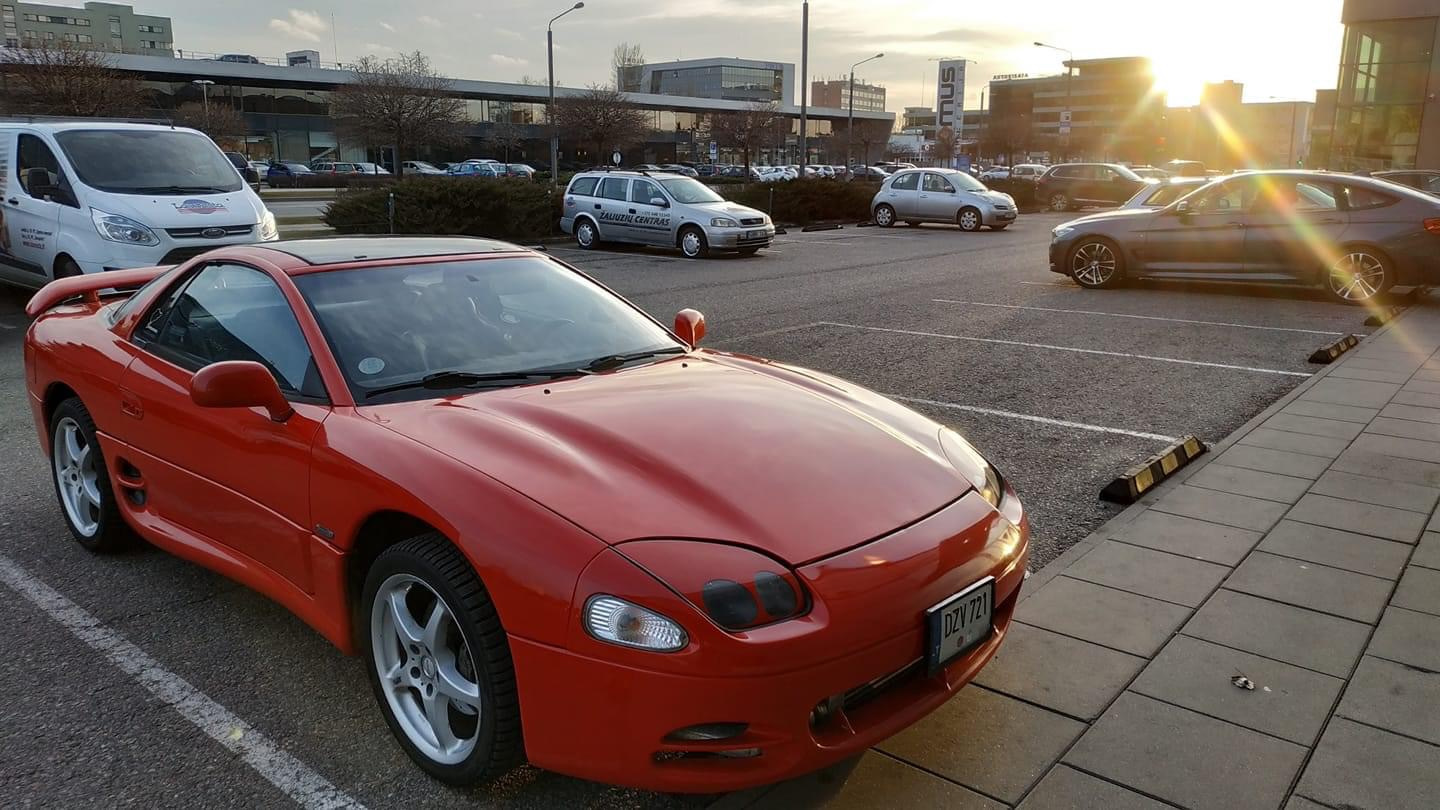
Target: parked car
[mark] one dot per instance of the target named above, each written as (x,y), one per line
(238,58)
(242,165)
(870,173)
(286,175)
(421,167)
(914,196)
(511,492)
(676,168)
(331,167)
(96,197)
(1354,236)
(1426,180)
(995,173)
(476,169)
(1188,168)
(1164,192)
(1027,171)
(841,173)
(706,170)
(521,170)
(1151,173)
(1069,186)
(667,210)
(371,168)
(262,169)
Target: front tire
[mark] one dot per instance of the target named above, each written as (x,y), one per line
(82,481)
(439,663)
(67,268)
(1096,264)
(969,219)
(884,216)
(693,244)
(1060,202)
(586,235)
(1359,276)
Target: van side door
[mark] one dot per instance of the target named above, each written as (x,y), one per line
(29,217)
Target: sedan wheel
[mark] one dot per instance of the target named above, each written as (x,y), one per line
(1095,264)
(440,664)
(1059,202)
(692,243)
(884,216)
(82,484)
(969,219)
(1357,277)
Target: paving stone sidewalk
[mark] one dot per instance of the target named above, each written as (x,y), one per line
(1303,554)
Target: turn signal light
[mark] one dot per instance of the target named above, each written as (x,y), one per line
(1432,225)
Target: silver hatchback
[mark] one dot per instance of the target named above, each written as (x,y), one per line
(656,208)
(914,196)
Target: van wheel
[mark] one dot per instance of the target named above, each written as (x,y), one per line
(586,237)
(65,267)
(692,243)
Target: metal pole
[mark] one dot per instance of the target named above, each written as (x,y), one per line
(1069,80)
(850,120)
(550,110)
(804,81)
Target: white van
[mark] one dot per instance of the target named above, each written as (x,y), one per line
(86,197)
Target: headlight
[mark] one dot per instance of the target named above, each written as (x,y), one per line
(122,229)
(612,619)
(737,588)
(268,231)
(723,222)
(981,475)
(1061,232)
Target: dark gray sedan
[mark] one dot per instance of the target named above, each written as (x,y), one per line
(1354,236)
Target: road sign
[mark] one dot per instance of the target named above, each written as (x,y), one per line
(616,157)
(714,151)
(1064,116)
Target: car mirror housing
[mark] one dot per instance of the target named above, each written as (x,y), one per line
(1182,208)
(239,384)
(660,201)
(690,326)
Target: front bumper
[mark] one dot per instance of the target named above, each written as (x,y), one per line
(98,256)
(587,714)
(994,216)
(1060,253)
(754,236)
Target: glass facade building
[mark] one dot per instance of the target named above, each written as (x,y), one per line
(1386,74)
(725,78)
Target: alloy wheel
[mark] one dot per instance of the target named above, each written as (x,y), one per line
(1357,276)
(1093,264)
(1059,202)
(426,669)
(77,476)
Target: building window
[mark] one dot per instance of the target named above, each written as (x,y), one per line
(86,38)
(151,29)
(50,35)
(1384,73)
(114,26)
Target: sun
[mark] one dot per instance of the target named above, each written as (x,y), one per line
(1180,77)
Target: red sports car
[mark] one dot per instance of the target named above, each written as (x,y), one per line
(553,529)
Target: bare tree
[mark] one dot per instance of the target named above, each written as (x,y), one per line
(624,57)
(219,120)
(60,78)
(602,117)
(943,151)
(505,136)
(754,127)
(870,132)
(399,102)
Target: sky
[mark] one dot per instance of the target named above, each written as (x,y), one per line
(1280,49)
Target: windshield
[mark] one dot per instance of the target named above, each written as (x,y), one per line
(965,182)
(394,325)
(148,161)
(689,191)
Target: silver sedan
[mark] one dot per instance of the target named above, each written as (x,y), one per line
(914,196)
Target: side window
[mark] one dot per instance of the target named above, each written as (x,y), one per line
(1283,194)
(1359,199)
(936,183)
(1106,173)
(231,312)
(32,153)
(1223,199)
(906,182)
(584,186)
(614,188)
(643,191)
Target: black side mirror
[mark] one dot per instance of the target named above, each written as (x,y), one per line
(39,182)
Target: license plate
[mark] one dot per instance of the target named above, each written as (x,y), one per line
(754,234)
(959,623)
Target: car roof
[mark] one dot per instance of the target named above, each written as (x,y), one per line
(344,249)
(628,173)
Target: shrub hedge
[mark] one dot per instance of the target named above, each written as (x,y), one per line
(800,202)
(499,208)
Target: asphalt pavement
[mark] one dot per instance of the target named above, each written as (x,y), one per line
(1060,387)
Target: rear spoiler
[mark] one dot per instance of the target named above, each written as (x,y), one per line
(88,287)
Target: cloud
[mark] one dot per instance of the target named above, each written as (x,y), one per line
(377,48)
(306,25)
(387,27)
(506,32)
(426,19)
(508,61)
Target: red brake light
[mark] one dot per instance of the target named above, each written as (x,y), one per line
(1432,225)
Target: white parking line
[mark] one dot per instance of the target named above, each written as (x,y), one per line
(1138,317)
(1050,284)
(1070,349)
(768,332)
(1044,420)
(308,788)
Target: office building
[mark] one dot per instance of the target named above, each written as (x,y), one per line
(1387,104)
(722,78)
(103,26)
(836,93)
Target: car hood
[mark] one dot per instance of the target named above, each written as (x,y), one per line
(241,207)
(709,446)
(727,208)
(1131,214)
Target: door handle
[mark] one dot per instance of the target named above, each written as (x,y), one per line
(130,405)
(632,210)
(597,206)
(13,201)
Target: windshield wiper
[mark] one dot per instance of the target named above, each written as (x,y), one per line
(614,361)
(181,190)
(441,380)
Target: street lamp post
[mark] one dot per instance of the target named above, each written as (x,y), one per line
(1069,80)
(550,108)
(850,120)
(804,81)
(204,94)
